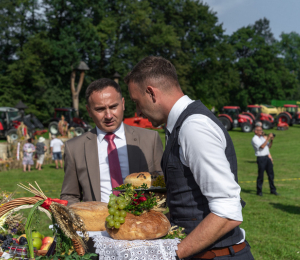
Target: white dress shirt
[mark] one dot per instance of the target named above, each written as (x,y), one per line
(202,149)
(120,142)
(257,141)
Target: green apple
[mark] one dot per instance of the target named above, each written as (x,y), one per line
(37,243)
(37,234)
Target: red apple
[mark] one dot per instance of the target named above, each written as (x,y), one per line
(45,246)
(47,240)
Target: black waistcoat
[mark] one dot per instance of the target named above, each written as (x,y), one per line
(187,205)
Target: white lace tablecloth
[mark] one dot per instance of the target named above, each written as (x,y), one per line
(111,249)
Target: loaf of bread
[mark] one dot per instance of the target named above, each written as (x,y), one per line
(138,179)
(150,225)
(92,213)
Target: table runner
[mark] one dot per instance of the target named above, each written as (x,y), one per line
(111,249)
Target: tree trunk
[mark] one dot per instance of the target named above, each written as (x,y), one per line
(76,91)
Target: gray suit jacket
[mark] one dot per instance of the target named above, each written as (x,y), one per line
(82,173)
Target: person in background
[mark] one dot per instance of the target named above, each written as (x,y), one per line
(56,146)
(261,147)
(28,150)
(213,110)
(41,148)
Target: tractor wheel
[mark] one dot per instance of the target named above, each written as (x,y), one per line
(79,131)
(53,128)
(89,128)
(246,127)
(266,125)
(284,118)
(225,122)
(12,133)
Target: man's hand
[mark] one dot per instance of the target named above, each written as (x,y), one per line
(210,229)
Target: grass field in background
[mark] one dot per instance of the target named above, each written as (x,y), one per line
(271,222)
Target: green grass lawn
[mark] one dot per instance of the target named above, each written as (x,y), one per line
(271,222)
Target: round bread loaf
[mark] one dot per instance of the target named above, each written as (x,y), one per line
(150,225)
(92,213)
(138,179)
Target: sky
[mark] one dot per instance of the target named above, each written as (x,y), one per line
(284,15)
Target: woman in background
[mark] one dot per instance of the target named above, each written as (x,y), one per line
(28,150)
(41,148)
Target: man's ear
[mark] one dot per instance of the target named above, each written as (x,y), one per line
(88,109)
(151,91)
(123,103)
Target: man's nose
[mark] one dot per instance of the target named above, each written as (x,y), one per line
(108,114)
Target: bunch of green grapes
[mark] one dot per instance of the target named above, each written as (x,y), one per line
(116,211)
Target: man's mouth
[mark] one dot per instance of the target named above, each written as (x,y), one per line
(109,123)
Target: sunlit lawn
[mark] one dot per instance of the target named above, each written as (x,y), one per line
(271,222)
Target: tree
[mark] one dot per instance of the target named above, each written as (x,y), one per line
(263,76)
(289,47)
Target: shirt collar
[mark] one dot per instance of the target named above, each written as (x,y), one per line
(176,111)
(119,132)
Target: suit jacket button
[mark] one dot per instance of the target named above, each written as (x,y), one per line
(135,139)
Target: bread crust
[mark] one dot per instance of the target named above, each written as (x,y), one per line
(150,225)
(92,213)
(138,179)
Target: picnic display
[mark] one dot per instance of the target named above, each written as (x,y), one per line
(130,226)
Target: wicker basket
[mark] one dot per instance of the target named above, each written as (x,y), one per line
(28,202)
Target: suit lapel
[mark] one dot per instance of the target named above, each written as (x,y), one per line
(132,141)
(92,160)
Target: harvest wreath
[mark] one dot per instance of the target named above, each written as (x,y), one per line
(67,243)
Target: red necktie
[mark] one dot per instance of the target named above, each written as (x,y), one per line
(113,161)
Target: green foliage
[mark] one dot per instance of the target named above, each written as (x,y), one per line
(64,247)
(28,227)
(263,75)
(138,202)
(41,41)
(176,233)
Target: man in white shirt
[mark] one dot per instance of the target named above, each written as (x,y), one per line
(261,147)
(199,164)
(56,147)
(99,160)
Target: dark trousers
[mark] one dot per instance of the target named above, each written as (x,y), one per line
(265,164)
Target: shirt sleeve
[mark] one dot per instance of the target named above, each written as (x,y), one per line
(257,142)
(51,144)
(202,149)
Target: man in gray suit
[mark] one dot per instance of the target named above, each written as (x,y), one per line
(88,176)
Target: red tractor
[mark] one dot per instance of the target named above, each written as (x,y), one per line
(10,120)
(79,124)
(289,116)
(231,117)
(254,111)
(139,122)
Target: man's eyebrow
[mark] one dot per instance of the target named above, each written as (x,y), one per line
(99,107)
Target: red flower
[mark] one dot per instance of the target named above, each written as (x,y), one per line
(135,195)
(142,199)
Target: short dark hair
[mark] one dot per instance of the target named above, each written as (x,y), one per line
(29,140)
(99,85)
(152,67)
